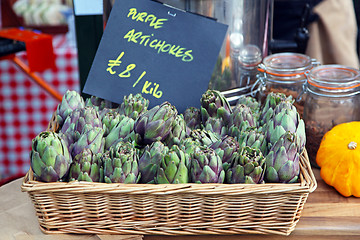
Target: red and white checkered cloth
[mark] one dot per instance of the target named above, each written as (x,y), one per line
(25,108)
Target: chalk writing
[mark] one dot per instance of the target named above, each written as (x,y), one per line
(152,90)
(147,87)
(154,22)
(159,45)
(114,63)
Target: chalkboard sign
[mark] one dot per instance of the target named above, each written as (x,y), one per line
(164,53)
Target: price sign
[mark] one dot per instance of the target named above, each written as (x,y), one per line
(164,53)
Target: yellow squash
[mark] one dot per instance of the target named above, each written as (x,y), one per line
(339,158)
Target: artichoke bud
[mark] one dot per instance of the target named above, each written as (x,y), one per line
(87,167)
(285,118)
(92,139)
(206,166)
(89,118)
(211,101)
(121,164)
(123,130)
(242,117)
(173,167)
(177,132)
(133,106)
(225,148)
(248,166)
(283,160)
(155,124)
(189,145)
(150,160)
(192,118)
(254,138)
(251,102)
(204,137)
(100,104)
(271,101)
(49,157)
(71,100)
(216,126)
(110,119)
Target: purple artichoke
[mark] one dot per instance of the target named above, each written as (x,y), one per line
(71,100)
(155,124)
(225,148)
(206,166)
(247,166)
(283,160)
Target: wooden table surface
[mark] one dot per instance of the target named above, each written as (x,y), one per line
(326,215)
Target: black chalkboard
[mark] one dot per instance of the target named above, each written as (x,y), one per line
(164,53)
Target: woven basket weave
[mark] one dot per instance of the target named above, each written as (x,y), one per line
(170,209)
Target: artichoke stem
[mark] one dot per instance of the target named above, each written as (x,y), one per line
(352,145)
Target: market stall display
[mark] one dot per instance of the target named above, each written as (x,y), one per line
(140,156)
(192,188)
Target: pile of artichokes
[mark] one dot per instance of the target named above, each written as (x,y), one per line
(100,141)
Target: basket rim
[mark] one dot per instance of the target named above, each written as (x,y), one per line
(307,184)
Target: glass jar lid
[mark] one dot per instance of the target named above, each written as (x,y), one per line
(287,64)
(250,55)
(334,78)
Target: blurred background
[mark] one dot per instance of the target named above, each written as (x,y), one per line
(325,30)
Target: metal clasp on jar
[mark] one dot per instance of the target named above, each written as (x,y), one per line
(304,86)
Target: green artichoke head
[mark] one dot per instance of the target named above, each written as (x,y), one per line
(283,160)
(248,166)
(81,121)
(68,127)
(204,137)
(214,104)
(91,139)
(49,157)
(173,167)
(89,118)
(216,126)
(150,160)
(110,119)
(254,138)
(192,118)
(225,148)
(133,106)
(123,131)
(189,145)
(121,164)
(285,118)
(71,100)
(87,166)
(242,117)
(100,104)
(177,132)
(271,101)
(250,102)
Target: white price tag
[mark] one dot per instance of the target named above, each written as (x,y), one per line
(88,7)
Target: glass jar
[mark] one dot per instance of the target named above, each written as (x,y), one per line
(285,73)
(332,97)
(245,77)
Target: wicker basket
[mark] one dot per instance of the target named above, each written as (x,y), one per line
(170,209)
